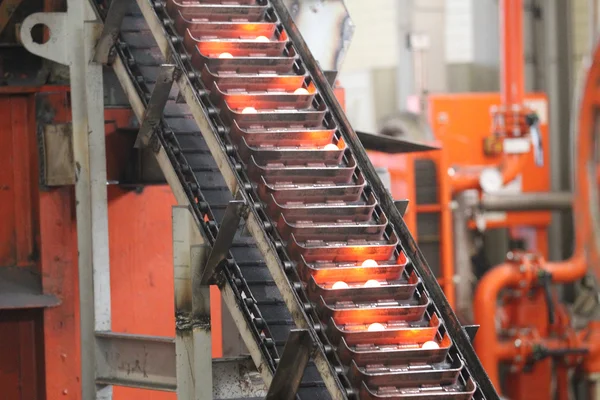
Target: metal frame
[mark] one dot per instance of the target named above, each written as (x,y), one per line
(149,362)
(235,211)
(453,326)
(110,32)
(158,99)
(75,43)
(94,292)
(192,308)
(253,221)
(73,36)
(290,369)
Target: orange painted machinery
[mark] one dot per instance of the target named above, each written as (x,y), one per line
(492,172)
(536,346)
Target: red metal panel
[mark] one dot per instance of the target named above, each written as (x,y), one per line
(21,351)
(59,277)
(7,195)
(58,262)
(23,134)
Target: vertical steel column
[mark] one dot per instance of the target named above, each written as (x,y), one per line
(463,205)
(73,36)
(193,347)
(559,86)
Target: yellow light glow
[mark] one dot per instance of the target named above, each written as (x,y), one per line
(225,55)
(331,146)
(249,110)
(372,283)
(262,39)
(369,263)
(430,345)
(376,327)
(301,91)
(340,285)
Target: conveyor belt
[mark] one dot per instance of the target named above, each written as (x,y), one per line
(328,251)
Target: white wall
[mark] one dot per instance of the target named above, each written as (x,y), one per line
(375,40)
(459,31)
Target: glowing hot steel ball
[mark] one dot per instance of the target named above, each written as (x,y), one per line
(430,345)
(225,55)
(376,327)
(249,110)
(372,283)
(301,91)
(331,146)
(369,263)
(340,285)
(262,39)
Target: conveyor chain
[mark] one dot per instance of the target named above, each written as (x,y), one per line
(326,231)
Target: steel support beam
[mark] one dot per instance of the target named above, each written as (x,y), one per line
(464,204)
(231,220)
(149,362)
(156,105)
(110,32)
(192,309)
(229,299)
(296,353)
(73,37)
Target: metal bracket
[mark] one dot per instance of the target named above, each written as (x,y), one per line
(231,220)
(402,206)
(292,364)
(110,32)
(471,331)
(158,99)
(55,145)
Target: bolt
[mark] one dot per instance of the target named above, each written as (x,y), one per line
(65,392)
(522,268)
(510,256)
(63,356)
(518,343)
(518,359)
(522,284)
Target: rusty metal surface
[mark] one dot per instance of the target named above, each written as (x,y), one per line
(56,155)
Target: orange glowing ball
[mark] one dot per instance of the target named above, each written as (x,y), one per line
(340,285)
(430,345)
(376,327)
(249,110)
(225,55)
(331,146)
(372,283)
(301,91)
(262,39)
(369,263)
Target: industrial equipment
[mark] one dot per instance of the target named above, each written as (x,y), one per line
(561,342)
(253,143)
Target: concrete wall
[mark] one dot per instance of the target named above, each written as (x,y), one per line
(378,70)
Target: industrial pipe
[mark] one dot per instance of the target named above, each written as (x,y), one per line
(532,201)
(512,71)
(485,309)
